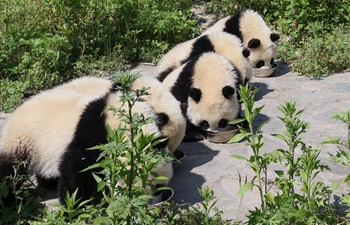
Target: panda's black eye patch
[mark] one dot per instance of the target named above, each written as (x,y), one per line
(228,91)
(162,119)
(195,94)
(254,43)
(272,61)
(223,123)
(260,64)
(204,125)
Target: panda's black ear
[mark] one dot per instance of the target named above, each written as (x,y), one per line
(246,52)
(162,144)
(227,91)
(162,119)
(254,43)
(274,37)
(195,94)
(183,107)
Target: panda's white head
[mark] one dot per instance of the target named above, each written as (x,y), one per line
(213,99)
(258,38)
(251,28)
(164,169)
(171,121)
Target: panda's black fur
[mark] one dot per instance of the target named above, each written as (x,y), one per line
(91,131)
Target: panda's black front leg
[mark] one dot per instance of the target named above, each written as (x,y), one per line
(193,133)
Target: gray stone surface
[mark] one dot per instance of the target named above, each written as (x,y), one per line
(209,164)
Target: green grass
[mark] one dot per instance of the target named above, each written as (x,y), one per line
(46,42)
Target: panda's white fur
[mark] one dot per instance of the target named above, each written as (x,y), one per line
(163,101)
(88,85)
(52,131)
(223,43)
(159,98)
(255,34)
(212,75)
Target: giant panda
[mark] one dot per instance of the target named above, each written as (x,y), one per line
(251,28)
(223,43)
(206,86)
(171,120)
(52,131)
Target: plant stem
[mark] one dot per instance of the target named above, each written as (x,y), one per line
(131,158)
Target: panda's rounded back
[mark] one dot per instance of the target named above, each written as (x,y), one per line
(88,85)
(231,47)
(43,126)
(173,58)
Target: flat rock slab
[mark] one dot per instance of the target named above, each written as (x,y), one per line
(210,164)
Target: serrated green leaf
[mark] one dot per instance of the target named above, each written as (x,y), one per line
(279,136)
(236,121)
(239,157)
(102,220)
(279,172)
(246,187)
(161,178)
(237,138)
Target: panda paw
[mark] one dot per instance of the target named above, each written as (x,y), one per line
(193,136)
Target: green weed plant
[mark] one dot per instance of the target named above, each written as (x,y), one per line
(308,204)
(342,156)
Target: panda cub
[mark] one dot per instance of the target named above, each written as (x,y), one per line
(251,28)
(52,131)
(223,43)
(170,119)
(206,86)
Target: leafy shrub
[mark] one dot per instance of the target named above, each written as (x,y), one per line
(310,204)
(47,42)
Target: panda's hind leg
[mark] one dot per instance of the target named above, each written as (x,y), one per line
(72,178)
(9,167)
(47,183)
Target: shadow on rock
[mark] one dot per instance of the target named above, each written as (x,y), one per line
(263,90)
(339,205)
(282,69)
(185,182)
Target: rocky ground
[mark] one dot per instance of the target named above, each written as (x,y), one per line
(210,164)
